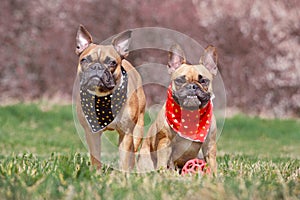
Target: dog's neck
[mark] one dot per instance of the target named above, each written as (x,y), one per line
(101,111)
(190,124)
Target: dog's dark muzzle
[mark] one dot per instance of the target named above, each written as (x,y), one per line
(191,96)
(98,77)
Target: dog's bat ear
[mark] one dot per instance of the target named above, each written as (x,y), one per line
(121,43)
(83,39)
(176,58)
(210,59)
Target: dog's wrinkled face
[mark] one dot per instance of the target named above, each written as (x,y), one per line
(99,66)
(98,72)
(191,88)
(192,84)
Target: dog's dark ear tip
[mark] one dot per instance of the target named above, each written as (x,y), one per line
(129,32)
(81,26)
(210,46)
(126,34)
(176,48)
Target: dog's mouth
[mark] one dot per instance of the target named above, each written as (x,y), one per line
(100,84)
(192,101)
(192,97)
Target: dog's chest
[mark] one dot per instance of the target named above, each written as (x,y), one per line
(184,150)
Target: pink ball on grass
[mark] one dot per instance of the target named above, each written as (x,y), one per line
(195,166)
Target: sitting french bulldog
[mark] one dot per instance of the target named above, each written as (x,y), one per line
(110,96)
(186,122)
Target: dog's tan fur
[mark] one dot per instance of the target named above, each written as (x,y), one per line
(129,122)
(163,147)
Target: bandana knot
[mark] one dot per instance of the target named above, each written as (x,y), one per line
(190,124)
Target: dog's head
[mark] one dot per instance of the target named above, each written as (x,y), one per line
(192,84)
(99,66)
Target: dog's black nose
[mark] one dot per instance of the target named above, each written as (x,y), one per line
(192,86)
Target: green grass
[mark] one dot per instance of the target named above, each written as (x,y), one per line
(42,157)
(38,128)
(261,137)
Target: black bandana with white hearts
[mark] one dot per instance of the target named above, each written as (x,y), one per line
(101,111)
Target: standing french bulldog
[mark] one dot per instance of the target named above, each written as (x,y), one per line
(109,96)
(186,122)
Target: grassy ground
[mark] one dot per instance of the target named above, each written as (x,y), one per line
(42,157)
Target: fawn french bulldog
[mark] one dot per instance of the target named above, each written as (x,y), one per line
(109,96)
(186,123)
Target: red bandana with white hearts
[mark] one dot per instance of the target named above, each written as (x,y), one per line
(190,124)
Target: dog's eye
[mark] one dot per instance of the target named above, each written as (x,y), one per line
(112,63)
(180,80)
(83,61)
(204,82)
